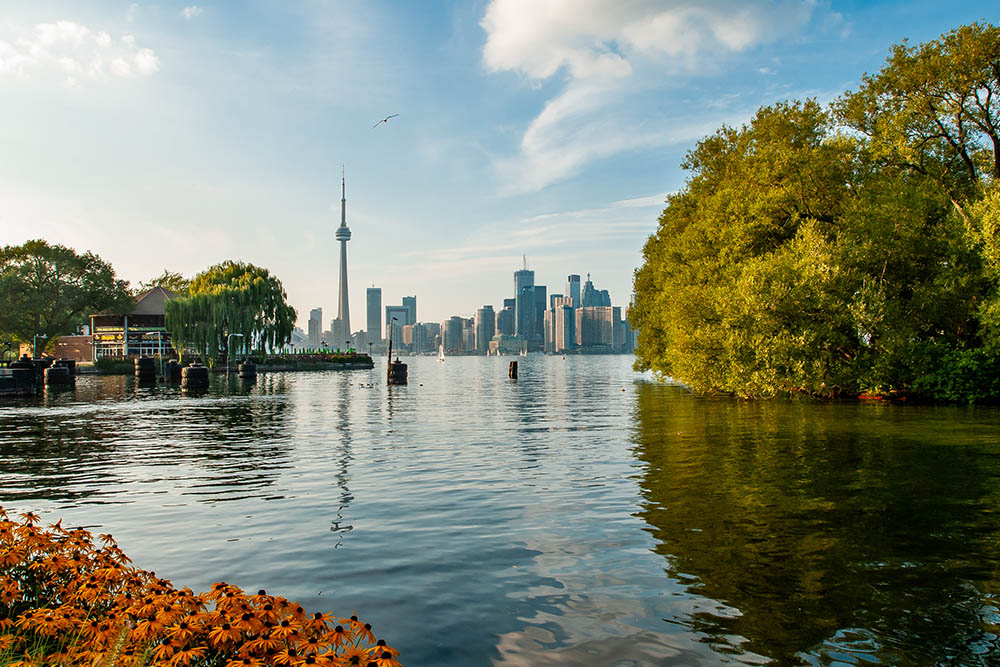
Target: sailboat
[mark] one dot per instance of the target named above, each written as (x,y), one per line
(524,349)
(441,352)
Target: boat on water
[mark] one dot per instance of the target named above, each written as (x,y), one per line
(440,352)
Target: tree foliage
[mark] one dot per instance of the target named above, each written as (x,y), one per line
(231,298)
(50,289)
(170,280)
(844,250)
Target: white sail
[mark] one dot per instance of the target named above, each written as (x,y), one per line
(440,352)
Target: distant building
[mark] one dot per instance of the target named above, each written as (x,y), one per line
(451,334)
(315,327)
(139,333)
(596,328)
(560,325)
(410,303)
(505,318)
(485,328)
(573,289)
(373,300)
(402,316)
(421,341)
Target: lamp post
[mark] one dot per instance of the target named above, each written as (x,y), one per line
(229,350)
(347,346)
(34,345)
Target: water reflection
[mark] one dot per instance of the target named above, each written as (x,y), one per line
(829,532)
(111,435)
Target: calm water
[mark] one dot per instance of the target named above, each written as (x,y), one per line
(582,515)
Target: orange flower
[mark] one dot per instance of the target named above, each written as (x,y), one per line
(185,656)
(221,635)
(245,661)
(285,629)
(164,651)
(338,636)
(286,656)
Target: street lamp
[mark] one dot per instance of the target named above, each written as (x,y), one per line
(34,345)
(229,351)
(347,346)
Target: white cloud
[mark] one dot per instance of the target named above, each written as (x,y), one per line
(72,51)
(192,11)
(609,52)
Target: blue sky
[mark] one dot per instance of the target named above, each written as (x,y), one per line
(177,135)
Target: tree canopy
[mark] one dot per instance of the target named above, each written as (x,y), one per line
(231,298)
(50,289)
(843,250)
(170,280)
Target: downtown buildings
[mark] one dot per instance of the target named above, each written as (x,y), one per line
(580,321)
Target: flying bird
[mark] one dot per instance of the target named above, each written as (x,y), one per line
(384,120)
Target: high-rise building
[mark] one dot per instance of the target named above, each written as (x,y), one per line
(485,328)
(595,326)
(524,312)
(564,328)
(402,317)
(410,303)
(315,326)
(421,342)
(505,318)
(573,289)
(451,334)
(374,306)
(343,235)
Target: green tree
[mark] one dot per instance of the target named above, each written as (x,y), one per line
(231,297)
(798,260)
(935,108)
(50,289)
(170,280)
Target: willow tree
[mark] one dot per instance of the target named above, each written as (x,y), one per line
(231,298)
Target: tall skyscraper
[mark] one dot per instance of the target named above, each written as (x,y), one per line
(410,303)
(374,306)
(485,328)
(315,326)
(573,289)
(343,235)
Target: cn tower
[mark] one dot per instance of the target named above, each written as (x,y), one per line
(343,235)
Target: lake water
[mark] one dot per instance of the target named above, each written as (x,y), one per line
(582,515)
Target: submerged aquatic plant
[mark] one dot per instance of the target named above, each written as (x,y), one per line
(65,600)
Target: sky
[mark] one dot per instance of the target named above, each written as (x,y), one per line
(173,135)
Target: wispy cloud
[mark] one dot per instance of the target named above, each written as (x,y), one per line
(610,53)
(191,12)
(73,52)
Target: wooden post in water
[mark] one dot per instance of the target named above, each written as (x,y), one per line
(512,372)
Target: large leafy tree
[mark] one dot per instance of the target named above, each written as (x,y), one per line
(935,109)
(840,251)
(50,289)
(231,298)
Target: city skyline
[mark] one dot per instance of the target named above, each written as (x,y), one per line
(158,137)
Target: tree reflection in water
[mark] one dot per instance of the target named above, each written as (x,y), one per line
(832,529)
